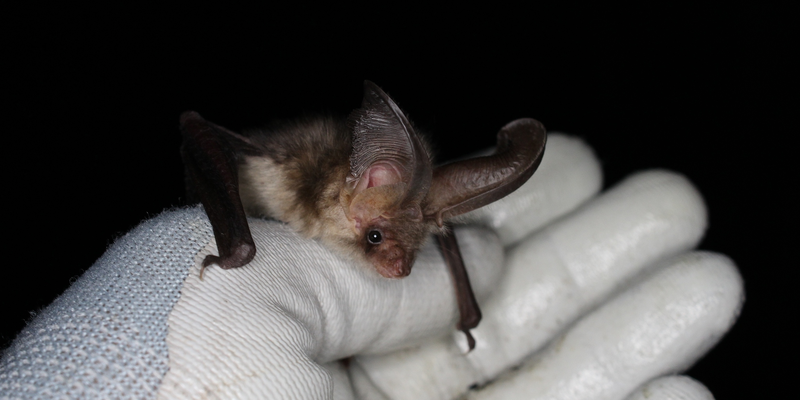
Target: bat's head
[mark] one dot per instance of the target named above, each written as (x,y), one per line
(394,198)
(390,174)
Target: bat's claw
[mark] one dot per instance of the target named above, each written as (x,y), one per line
(211,259)
(240,256)
(470,340)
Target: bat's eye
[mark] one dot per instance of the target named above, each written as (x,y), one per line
(374,237)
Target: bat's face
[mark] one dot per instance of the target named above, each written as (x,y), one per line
(388,235)
(391,245)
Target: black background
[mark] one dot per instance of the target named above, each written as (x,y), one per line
(92,98)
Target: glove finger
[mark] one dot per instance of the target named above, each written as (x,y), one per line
(551,279)
(659,326)
(672,387)
(568,176)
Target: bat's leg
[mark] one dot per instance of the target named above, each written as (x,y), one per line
(212,176)
(467,305)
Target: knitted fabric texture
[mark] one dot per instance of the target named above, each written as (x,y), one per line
(140,324)
(106,335)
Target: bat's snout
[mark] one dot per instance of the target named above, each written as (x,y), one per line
(393,263)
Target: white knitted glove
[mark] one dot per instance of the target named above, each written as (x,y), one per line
(140,324)
(595,305)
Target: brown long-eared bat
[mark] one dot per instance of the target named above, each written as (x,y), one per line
(365,186)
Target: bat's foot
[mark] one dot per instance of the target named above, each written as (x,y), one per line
(470,317)
(240,256)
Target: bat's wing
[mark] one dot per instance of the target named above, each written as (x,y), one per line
(470,312)
(210,155)
(463,186)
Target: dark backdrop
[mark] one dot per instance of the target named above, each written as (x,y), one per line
(92,99)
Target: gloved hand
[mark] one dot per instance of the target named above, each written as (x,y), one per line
(594,305)
(604,285)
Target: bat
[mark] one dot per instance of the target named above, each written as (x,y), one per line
(365,186)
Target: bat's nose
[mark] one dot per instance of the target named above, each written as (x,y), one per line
(394,263)
(400,268)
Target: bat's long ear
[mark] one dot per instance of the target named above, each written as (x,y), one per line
(390,169)
(465,185)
